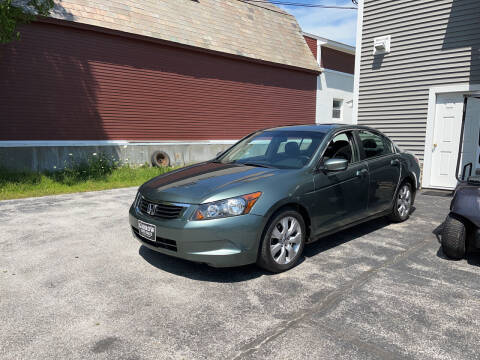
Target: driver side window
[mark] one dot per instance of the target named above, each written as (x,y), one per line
(341,147)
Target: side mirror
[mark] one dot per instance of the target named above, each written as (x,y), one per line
(335,164)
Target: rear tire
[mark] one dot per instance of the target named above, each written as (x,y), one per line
(283,242)
(402,204)
(454,237)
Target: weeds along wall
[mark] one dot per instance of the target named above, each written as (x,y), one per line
(41,158)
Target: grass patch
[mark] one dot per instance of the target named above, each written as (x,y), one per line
(95,173)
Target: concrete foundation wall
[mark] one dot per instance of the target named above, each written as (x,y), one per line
(39,158)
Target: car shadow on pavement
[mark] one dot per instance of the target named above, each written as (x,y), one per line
(201,272)
(344,236)
(473,259)
(204,272)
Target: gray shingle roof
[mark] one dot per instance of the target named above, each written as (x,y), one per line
(258,31)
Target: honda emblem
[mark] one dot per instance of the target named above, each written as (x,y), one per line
(151,209)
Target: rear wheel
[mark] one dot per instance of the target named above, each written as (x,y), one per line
(283,242)
(403,202)
(454,237)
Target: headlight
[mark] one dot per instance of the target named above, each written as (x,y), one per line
(225,208)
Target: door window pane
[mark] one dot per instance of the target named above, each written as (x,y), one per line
(340,148)
(374,144)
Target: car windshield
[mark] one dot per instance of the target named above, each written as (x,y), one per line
(278,149)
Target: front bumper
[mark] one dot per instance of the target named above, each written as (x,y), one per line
(226,242)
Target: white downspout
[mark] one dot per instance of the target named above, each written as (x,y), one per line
(358,62)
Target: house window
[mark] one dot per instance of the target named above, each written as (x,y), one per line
(337,109)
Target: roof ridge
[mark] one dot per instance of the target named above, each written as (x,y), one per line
(270,7)
(241,27)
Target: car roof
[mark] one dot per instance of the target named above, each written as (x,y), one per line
(323,128)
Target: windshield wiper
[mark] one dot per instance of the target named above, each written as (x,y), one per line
(221,162)
(256,164)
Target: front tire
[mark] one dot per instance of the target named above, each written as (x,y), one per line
(283,242)
(403,202)
(454,237)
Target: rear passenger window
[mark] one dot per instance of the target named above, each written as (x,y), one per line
(389,148)
(374,144)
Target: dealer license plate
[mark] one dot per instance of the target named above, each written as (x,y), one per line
(148,231)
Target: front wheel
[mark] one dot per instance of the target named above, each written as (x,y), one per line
(403,202)
(283,242)
(454,238)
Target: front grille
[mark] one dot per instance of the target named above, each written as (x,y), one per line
(160,243)
(163,211)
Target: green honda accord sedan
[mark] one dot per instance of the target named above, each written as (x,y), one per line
(274,191)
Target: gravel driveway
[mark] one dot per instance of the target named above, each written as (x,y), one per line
(74,284)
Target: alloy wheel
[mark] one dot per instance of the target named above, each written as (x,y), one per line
(404,201)
(285,240)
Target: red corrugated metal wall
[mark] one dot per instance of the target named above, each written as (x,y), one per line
(337,60)
(63,83)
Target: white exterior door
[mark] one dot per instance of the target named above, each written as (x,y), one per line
(471,138)
(446,140)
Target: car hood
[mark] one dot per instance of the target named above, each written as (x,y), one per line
(208,181)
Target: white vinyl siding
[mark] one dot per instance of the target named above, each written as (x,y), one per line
(433,43)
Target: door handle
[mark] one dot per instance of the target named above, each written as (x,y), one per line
(395,162)
(361,173)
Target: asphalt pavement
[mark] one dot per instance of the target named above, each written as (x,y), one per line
(74,284)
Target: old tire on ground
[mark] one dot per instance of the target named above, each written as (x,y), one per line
(403,202)
(454,236)
(160,159)
(283,241)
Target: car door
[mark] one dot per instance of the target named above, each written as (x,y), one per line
(340,197)
(383,167)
